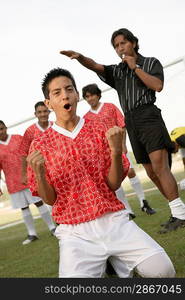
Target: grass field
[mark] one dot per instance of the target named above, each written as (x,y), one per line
(40,259)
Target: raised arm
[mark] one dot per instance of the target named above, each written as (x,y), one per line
(44,189)
(85,61)
(116,141)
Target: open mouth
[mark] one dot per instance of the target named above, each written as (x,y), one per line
(67,106)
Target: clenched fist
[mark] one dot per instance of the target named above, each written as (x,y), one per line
(116,139)
(36,161)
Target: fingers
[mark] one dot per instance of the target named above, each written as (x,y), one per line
(35,159)
(114,131)
(115,139)
(71,54)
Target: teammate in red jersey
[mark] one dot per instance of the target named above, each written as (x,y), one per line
(43,123)
(10,164)
(111,115)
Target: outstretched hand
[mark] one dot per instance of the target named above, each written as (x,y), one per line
(70,53)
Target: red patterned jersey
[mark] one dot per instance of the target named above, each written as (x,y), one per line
(77,164)
(31,132)
(107,113)
(10,163)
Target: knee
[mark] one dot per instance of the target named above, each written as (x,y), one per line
(151,175)
(160,168)
(157,266)
(131,173)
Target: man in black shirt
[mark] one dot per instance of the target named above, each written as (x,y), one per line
(136,79)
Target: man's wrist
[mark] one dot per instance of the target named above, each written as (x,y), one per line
(116,153)
(136,67)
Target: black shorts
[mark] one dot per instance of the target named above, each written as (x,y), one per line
(147,132)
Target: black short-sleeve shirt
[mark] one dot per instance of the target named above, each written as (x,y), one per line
(131,90)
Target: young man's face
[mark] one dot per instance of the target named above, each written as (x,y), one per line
(3,132)
(123,46)
(42,113)
(92,99)
(63,97)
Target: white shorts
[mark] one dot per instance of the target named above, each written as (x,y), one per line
(85,247)
(131,164)
(23,199)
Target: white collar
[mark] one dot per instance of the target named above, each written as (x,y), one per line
(98,110)
(70,134)
(7,141)
(42,129)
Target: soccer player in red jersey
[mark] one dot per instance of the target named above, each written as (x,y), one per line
(10,164)
(43,123)
(111,115)
(77,167)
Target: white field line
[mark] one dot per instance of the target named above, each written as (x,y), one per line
(16,223)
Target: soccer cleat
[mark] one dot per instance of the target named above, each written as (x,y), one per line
(146,208)
(132,216)
(53,231)
(172,224)
(30,238)
(167,222)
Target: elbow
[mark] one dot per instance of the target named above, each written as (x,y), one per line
(114,186)
(159,87)
(49,201)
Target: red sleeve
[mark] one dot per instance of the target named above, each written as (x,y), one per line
(26,142)
(119,117)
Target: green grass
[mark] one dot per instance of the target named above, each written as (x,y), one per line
(40,258)
(37,259)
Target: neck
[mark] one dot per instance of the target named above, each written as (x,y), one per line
(44,125)
(68,124)
(96,107)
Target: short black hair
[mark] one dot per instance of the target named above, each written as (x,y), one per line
(53,74)
(92,89)
(1,122)
(127,35)
(40,103)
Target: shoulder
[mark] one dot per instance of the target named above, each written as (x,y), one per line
(110,105)
(16,137)
(31,128)
(152,61)
(44,137)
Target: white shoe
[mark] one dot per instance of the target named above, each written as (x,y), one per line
(182,184)
(30,239)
